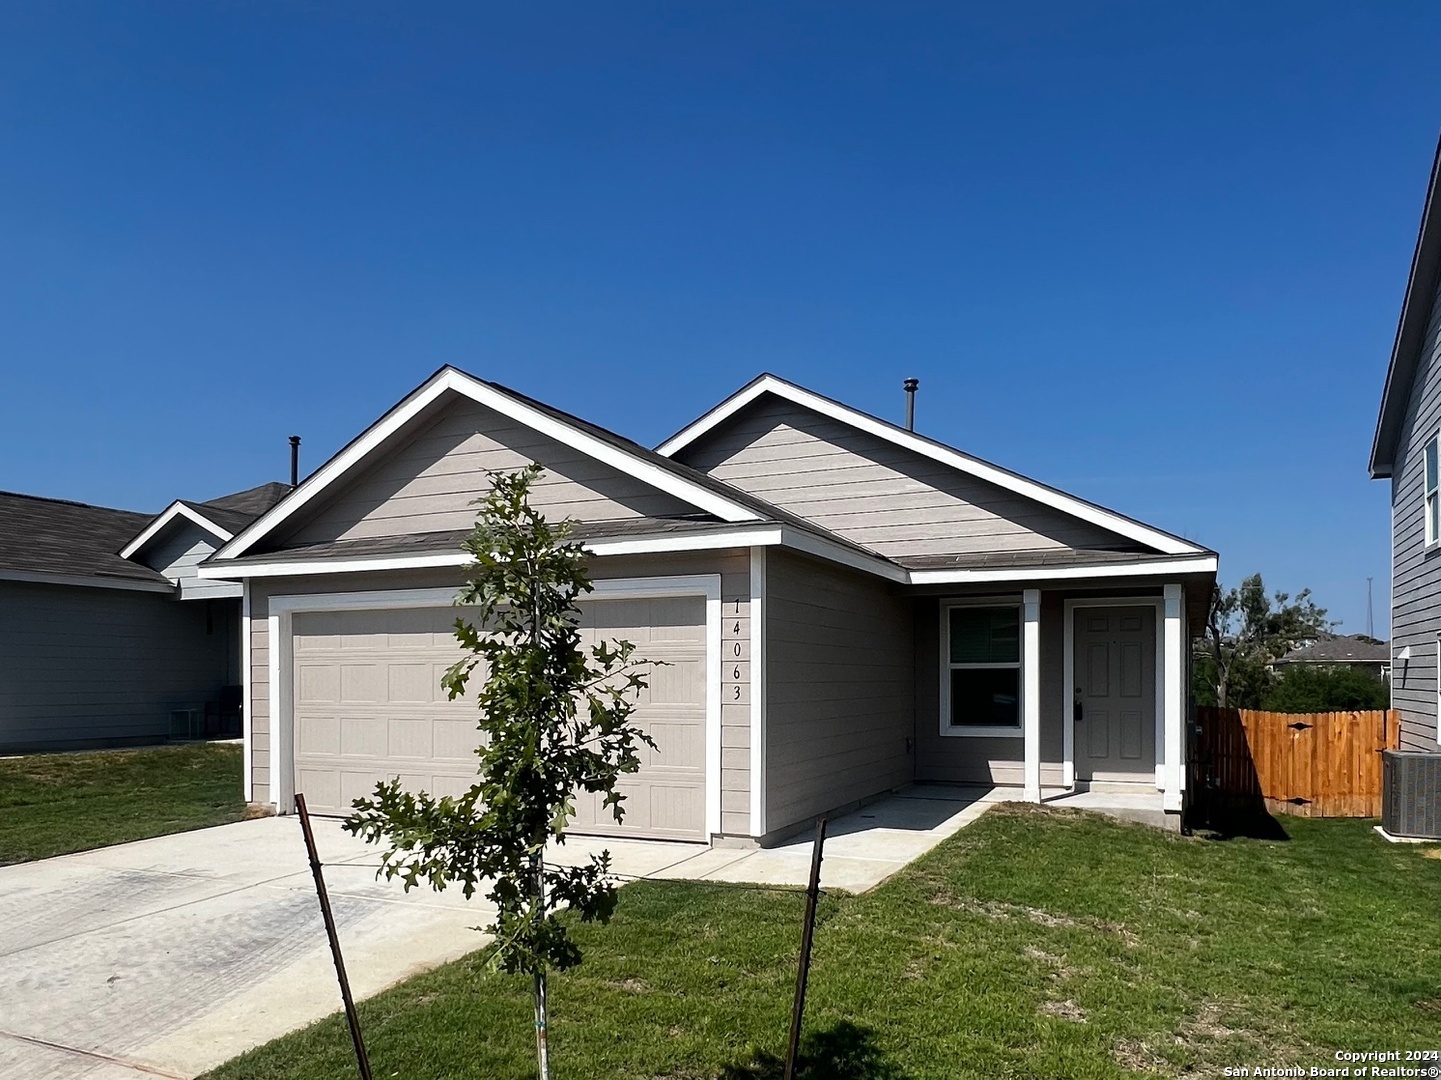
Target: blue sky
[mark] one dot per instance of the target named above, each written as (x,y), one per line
(1153,254)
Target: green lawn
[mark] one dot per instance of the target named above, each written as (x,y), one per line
(1033,944)
(52,804)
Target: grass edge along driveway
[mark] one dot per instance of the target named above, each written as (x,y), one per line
(57,804)
(1035,943)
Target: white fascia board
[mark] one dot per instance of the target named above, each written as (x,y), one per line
(452,380)
(845,556)
(1068,504)
(82,581)
(1202,565)
(169,514)
(649,545)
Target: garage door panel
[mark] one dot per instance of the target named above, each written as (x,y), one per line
(369,707)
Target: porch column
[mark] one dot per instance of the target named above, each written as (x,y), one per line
(1173,698)
(1031,691)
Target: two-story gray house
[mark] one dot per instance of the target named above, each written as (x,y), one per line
(1407,451)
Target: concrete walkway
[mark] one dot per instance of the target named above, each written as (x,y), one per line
(169,956)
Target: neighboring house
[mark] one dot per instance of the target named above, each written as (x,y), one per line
(845,607)
(1405,451)
(107,634)
(1354,651)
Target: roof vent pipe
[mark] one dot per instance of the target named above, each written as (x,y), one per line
(294,460)
(911,385)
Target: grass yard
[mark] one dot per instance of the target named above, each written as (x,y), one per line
(1033,944)
(53,804)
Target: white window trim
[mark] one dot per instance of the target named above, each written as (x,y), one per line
(1430,494)
(994,732)
(280,642)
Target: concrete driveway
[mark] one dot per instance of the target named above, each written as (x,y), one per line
(169,956)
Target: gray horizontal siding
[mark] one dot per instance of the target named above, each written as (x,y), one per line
(95,667)
(840,688)
(429,483)
(1416,572)
(886,497)
(177,554)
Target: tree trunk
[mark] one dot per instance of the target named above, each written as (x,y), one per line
(542,1051)
(542,1013)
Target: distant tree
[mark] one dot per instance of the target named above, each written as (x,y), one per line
(1245,631)
(1306,689)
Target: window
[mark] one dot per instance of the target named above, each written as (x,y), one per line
(1433,521)
(984,681)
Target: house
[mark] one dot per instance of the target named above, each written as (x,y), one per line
(108,637)
(845,607)
(1405,452)
(1356,652)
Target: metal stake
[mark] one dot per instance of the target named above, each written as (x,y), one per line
(351,1017)
(807,934)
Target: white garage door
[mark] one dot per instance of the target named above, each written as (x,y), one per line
(368,706)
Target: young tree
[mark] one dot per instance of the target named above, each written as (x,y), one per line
(554,719)
(1245,631)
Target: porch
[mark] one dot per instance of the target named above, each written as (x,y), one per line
(1073,696)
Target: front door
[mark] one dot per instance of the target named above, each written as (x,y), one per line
(1114,699)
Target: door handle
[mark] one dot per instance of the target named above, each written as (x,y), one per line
(1077,711)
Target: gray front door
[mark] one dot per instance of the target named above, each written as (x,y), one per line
(1114,699)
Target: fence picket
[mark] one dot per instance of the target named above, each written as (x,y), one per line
(1311,764)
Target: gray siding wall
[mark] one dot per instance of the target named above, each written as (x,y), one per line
(1416,572)
(103,667)
(891,500)
(176,555)
(840,688)
(953,759)
(733,567)
(429,483)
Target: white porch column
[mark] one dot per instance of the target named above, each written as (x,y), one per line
(1173,698)
(1031,691)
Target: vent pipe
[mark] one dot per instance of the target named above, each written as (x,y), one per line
(294,460)
(911,386)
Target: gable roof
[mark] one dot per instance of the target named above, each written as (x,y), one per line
(1344,649)
(1420,298)
(72,543)
(222,518)
(1162,542)
(705,493)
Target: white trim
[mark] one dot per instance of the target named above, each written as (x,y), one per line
(730,538)
(281,645)
(84,582)
(1175,706)
(947,730)
(246,693)
(452,380)
(1203,564)
(1031,691)
(1069,504)
(1068,679)
(758,692)
(165,517)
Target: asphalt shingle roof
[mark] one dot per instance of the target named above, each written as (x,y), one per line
(55,536)
(1340,650)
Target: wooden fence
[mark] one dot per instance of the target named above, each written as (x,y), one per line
(1311,764)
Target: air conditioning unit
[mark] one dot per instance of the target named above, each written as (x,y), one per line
(1411,794)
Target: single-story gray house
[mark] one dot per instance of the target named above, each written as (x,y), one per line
(108,637)
(1356,652)
(845,607)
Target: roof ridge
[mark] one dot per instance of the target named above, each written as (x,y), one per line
(73,502)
